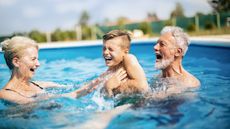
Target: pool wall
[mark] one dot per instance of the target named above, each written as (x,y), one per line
(215,42)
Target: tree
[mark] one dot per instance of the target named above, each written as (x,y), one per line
(37,36)
(83,22)
(84,18)
(146,28)
(56,35)
(220,5)
(59,35)
(152,17)
(178,11)
(86,33)
(122,21)
(199,14)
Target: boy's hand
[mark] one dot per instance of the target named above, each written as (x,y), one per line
(120,76)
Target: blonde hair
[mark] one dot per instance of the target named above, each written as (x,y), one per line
(121,34)
(13,48)
(182,39)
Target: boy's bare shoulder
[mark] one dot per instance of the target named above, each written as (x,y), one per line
(130,59)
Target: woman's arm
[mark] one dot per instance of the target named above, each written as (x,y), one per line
(88,88)
(44,84)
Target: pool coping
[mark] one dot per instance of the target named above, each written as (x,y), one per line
(194,41)
(201,41)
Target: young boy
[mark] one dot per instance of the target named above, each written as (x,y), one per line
(131,79)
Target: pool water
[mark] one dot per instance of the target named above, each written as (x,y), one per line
(206,107)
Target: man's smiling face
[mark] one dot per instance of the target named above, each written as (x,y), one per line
(165,51)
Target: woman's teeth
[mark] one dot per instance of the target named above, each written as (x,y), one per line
(108,58)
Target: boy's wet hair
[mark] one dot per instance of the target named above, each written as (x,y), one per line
(119,33)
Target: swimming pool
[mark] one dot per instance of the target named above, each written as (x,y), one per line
(207,107)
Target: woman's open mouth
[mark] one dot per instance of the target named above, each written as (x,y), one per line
(32,70)
(108,58)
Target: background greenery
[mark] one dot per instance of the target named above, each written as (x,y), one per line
(218,22)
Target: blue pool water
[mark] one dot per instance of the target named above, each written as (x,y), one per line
(205,108)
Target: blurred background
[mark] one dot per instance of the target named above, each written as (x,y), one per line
(71,20)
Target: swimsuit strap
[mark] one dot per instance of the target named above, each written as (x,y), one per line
(37,85)
(21,93)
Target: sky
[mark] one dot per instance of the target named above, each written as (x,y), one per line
(48,15)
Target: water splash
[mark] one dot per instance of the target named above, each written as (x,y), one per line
(160,84)
(99,96)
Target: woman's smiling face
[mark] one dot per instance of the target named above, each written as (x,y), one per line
(28,62)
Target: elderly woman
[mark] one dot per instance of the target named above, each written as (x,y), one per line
(21,56)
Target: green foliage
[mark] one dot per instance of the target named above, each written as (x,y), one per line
(83,22)
(152,17)
(37,36)
(59,35)
(86,32)
(220,5)
(178,11)
(168,23)
(209,25)
(191,27)
(121,21)
(84,18)
(145,27)
(2,38)
(56,35)
(19,34)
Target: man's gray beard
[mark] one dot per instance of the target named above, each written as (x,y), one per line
(163,63)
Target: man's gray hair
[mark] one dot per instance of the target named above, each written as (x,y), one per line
(182,39)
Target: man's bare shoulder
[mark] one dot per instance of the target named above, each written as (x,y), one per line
(191,80)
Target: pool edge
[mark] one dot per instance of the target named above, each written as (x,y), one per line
(201,41)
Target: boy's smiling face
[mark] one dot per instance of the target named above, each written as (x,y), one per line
(113,53)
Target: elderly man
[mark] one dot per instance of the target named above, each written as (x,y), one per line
(170,50)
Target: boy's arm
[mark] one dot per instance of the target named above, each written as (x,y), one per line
(136,76)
